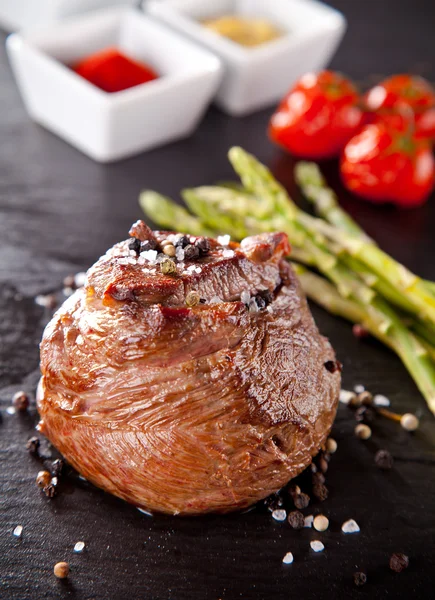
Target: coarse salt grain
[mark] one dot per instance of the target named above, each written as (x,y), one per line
(346,396)
(350,526)
(245,297)
(228,253)
(17,532)
(10,410)
(223,240)
(123,261)
(131,260)
(308,521)
(317,546)
(44,301)
(215,300)
(80,279)
(198,270)
(79,547)
(279,514)
(68,292)
(253,306)
(288,558)
(141,260)
(149,255)
(380,400)
(359,388)
(179,254)
(79,340)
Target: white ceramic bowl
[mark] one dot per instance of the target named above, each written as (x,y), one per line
(258,77)
(15,14)
(105,126)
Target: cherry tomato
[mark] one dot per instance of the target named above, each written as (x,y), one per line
(318,116)
(411,96)
(385,166)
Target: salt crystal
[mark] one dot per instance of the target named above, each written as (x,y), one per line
(67,291)
(10,410)
(245,296)
(141,260)
(215,300)
(224,240)
(79,547)
(253,306)
(228,253)
(269,308)
(317,546)
(179,254)
(45,301)
(80,279)
(79,340)
(279,514)
(359,388)
(380,400)
(350,526)
(123,261)
(149,255)
(198,270)
(346,396)
(288,558)
(308,521)
(17,532)
(131,260)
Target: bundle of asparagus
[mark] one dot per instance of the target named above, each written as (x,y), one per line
(339,266)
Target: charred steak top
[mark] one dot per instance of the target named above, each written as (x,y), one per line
(185,406)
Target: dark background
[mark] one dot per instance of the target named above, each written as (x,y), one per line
(58,212)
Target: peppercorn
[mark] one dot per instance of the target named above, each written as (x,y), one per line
(203,246)
(301,500)
(260,302)
(365,414)
(57,467)
(320,491)
(273,502)
(169,250)
(168,267)
(134,244)
(363,432)
(318,478)
(32,445)
(21,401)
(333,366)
(148,245)
(409,422)
(399,562)
(383,459)
(266,295)
(192,298)
(43,479)
(359,578)
(331,445)
(323,464)
(183,241)
(50,489)
(321,523)
(359,331)
(69,282)
(296,519)
(366,398)
(61,570)
(191,252)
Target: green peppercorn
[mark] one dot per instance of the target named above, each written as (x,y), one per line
(168,267)
(192,298)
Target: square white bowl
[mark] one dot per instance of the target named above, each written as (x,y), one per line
(105,126)
(16,14)
(258,77)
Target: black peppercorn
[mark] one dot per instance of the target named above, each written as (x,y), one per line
(203,245)
(32,445)
(333,366)
(50,490)
(57,467)
(365,414)
(398,562)
(134,244)
(296,519)
(359,578)
(148,245)
(266,295)
(20,401)
(318,478)
(273,502)
(320,491)
(383,459)
(191,252)
(183,241)
(301,500)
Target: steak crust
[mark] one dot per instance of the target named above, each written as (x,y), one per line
(188,410)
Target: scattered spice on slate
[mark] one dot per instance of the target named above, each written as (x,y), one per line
(169,250)
(366,398)
(331,445)
(321,523)
(296,519)
(18,531)
(399,562)
(61,570)
(20,401)
(359,331)
(192,298)
(383,459)
(57,467)
(308,521)
(79,547)
(409,422)
(320,491)
(359,578)
(279,514)
(33,445)
(381,401)
(288,558)
(43,479)
(168,267)
(362,431)
(365,414)
(317,546)
(350,526)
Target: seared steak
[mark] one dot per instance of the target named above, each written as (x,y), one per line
(180,407)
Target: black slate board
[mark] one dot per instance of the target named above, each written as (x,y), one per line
(58,212)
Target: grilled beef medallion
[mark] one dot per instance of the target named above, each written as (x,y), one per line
(187,376)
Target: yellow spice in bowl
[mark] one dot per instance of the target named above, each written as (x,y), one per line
(245,31)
